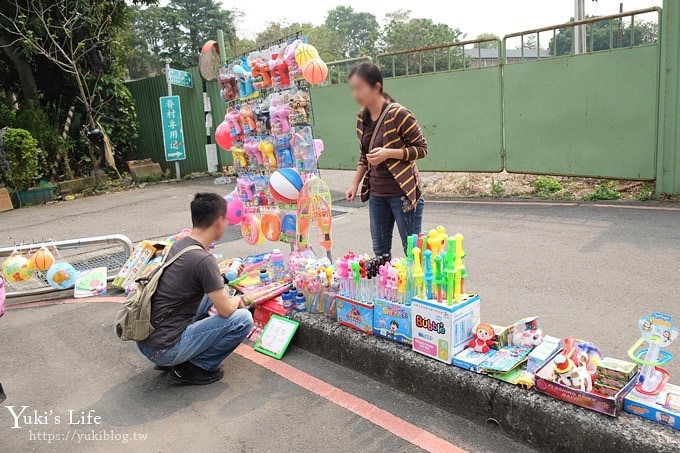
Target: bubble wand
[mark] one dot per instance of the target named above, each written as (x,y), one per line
(450,270)
(418,274)
(458,266)
(427,258)
(410,244)
(439,278)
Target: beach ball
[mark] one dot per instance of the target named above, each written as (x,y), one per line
(315,71)
(304,53)
(16,268)
(41,260)
(235,208)
(285,185)
(62,276)
(223,136)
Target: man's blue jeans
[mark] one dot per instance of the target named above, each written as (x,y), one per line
(206,342)
(384,212)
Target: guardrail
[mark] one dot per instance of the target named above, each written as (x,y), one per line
(616,35)
(85,253)
(456,56)
(339,70)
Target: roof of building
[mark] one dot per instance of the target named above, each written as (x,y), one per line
(492,54)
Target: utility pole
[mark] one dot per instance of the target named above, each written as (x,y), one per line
(579,30)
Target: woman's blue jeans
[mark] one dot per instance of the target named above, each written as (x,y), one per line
(384,212)
(206,342)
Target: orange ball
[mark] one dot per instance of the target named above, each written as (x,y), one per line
(315,71)
(41,260)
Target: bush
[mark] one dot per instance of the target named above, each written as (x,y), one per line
(546,186)
(23,156)
(605,191)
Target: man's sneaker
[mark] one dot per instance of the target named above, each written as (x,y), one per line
(162,368)
(190,374)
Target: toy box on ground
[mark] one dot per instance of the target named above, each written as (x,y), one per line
(354,314)
(392,321)
(470,360)
(441,331)
(134,266)
(571,380)
(265,311)
(663,407)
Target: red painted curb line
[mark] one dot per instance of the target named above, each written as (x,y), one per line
(46,303)
(397,426)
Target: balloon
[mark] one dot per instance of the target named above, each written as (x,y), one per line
(16,268)
(235,208)
(223,136)
(62,276)
(315,71)
(305,52)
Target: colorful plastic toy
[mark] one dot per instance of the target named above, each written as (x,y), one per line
(235,208)
(239,156)
(268,156)
(315,71)
(303,149)
(285,185)
(658,332)
(279,112)
(251,229)
(271,226)
(41,260)
(245,80)
(16,268)
(247,119)
(223,136)
(260,71)
(314,203)
(482,337)
(246,188)
(62,276)
(571,374)
(252,148)
(234,119)
(284,153)
(279,71)
(289,57)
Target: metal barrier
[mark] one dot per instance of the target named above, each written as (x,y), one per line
(85,253)
(439,58)
(339,70)
(616,35)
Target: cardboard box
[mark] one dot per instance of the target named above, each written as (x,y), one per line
(265,311)
(354,314)
(392,321)
(611,405)
(543,352)
(616,369)
(663,408)
(5,200)
(469,359)
(440,331)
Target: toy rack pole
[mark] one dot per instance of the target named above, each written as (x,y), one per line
(167,79)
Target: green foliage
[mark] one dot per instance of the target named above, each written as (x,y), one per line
(405,32)
(149,179)
(608,190)
(598,36)
(118,116)
(326,41)
(497,189)
(546,186)
(359,31)
(488,44)
(23,156)
(646,193)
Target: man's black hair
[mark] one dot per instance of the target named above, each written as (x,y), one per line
(206,208)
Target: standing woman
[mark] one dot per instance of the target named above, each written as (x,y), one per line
(390,141)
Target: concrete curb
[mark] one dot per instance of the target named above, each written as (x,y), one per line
(528,416)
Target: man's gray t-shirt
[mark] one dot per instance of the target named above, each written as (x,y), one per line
(180,291)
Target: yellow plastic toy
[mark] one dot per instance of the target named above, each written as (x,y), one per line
(267,150)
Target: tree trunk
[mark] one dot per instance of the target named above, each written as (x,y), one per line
(23,69)
(91,123)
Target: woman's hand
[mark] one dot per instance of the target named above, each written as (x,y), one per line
(351,193)
(380,155)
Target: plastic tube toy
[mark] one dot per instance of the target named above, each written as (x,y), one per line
(429,276)
(450,269)
(458,266)
(439,278)
(418,274)
(658,332)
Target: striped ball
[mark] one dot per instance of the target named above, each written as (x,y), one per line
(41,260)
(315,71)
(285,185)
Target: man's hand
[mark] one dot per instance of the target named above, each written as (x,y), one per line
(224,303)
(351,193)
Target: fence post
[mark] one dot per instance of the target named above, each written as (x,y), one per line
(668,136)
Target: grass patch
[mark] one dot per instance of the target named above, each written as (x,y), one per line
(497,189)
(608,190)
(546,187)
(646,193)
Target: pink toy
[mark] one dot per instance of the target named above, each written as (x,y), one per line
(253,152)
(223,136)
(234,120)
(235,208)
(247,119)
(289,57)
(279,116)
(482,337)
(246,188)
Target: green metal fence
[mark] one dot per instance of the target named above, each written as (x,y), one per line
(589,115)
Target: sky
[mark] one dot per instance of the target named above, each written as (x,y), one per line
(470,16)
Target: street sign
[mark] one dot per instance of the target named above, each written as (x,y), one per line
(173,134)
(181,78)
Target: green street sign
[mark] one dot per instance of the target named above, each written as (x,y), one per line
(173,134)
(180,78)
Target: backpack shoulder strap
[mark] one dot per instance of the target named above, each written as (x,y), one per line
(168,262)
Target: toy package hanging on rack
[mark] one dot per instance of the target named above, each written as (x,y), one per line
(314,204)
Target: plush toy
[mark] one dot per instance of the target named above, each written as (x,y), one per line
(571,375)
(482,337)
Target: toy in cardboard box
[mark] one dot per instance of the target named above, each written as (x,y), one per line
(570,374)
(653,397)
(355,314)
(392,321)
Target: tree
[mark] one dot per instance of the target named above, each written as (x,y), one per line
(598,36)
(530,42)
(358,31)
(487,44)
(176,31)
(324,39)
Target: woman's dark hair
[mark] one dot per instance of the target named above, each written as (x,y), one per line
(371,74)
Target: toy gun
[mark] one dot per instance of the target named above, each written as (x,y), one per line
(262,119)
(247,120)
(279,69)
(268,156)
(245,81)
(252,149)
(289,57)
(246,188)
(284,155)
(279,118)
(239,156)
(260,72)
(233,119)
